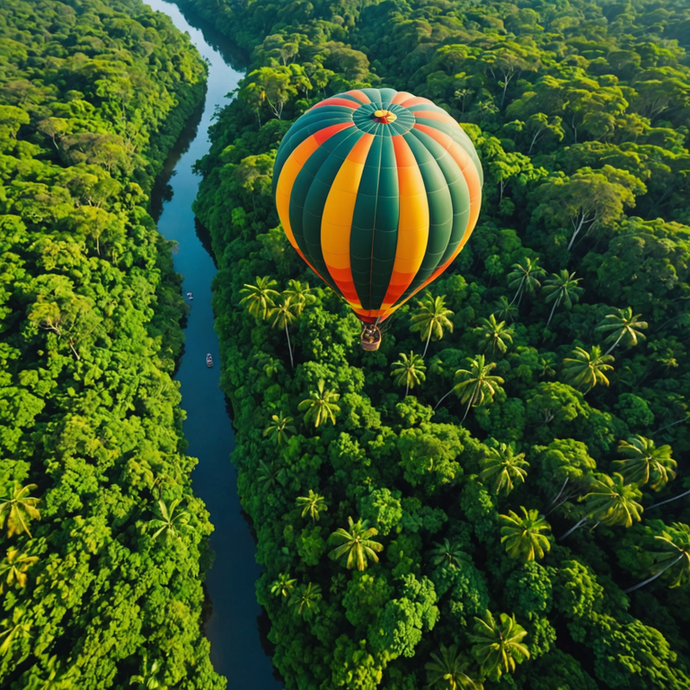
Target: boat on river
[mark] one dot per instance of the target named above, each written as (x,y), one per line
(190,296)
(209,360)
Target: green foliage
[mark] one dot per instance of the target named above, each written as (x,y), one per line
(103,542)
(578,111)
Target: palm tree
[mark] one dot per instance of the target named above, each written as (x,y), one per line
(546,362)
(431,318)
(169,521)
(269,365)
(644,462)
(523,536)
(14,568)
(673,552)
(612,502)
(312,505)
(504,309)
(587,368)
(14,629)
(285,312)
(624,326)
(498,645)
(476,384)
(525,277)
(148,679)
(494,336)
(562,288)
(283,585)
(280,428)
(338,583)
(305,598)
(259,298)
(270,474)
(448,671)
(19,509)
(503,469)
(300,295)
(409,371)
(321,405)
(356,544)
(449,552)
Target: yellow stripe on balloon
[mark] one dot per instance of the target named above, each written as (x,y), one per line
(336,222)
(413,225)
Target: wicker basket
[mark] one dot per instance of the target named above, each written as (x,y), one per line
(371,345)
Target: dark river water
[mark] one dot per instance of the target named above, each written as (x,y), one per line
(233,627)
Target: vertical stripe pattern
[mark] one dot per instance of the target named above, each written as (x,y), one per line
(378,205)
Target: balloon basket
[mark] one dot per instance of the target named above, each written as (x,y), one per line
(370,340)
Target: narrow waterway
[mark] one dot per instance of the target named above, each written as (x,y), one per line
(233,627)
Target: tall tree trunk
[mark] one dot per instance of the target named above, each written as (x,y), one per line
(428,340)
(287,333)
(553,309)
(653,577)
(572,529)
(613,347)
(444,397)
(669,500)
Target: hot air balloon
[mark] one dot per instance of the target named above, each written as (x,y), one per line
(378,191)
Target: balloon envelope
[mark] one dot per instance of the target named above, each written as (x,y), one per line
(378,191)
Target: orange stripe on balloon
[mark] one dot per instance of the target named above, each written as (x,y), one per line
(440,116)
(466,165)
(413,225)
(401,96)
(416,100)
(336,221)
(337,101)
(288,175)
(359,95)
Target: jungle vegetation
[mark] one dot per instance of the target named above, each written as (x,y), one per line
(498,496)
(102,543)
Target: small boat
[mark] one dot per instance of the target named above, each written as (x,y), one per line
(190,296)
(209,360)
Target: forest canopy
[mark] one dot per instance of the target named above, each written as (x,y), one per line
(498,496)
(103,543)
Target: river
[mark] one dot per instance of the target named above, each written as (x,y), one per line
(233,627)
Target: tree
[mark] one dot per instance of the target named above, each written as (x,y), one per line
(587,368)
(283,585)
(448,553)
(494,336)
(448,671)
(504,309)
(624,326)
(148,678)
(260,298)
(523,536)
(299,294)
(305,598)
(15,567)
(321,405)
(672,555)
(476,384)
(270,474)
(169,521)
(14,629)
(312,505)
(280,428)
(644,462)
(19,509)
(356,544)
(562,287)
(285,313)
(525,277)
(409,371)
(431,318)
(498,644)
(610,501)
(502,468)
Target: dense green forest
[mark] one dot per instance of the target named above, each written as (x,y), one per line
(469,505)
(103,542)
